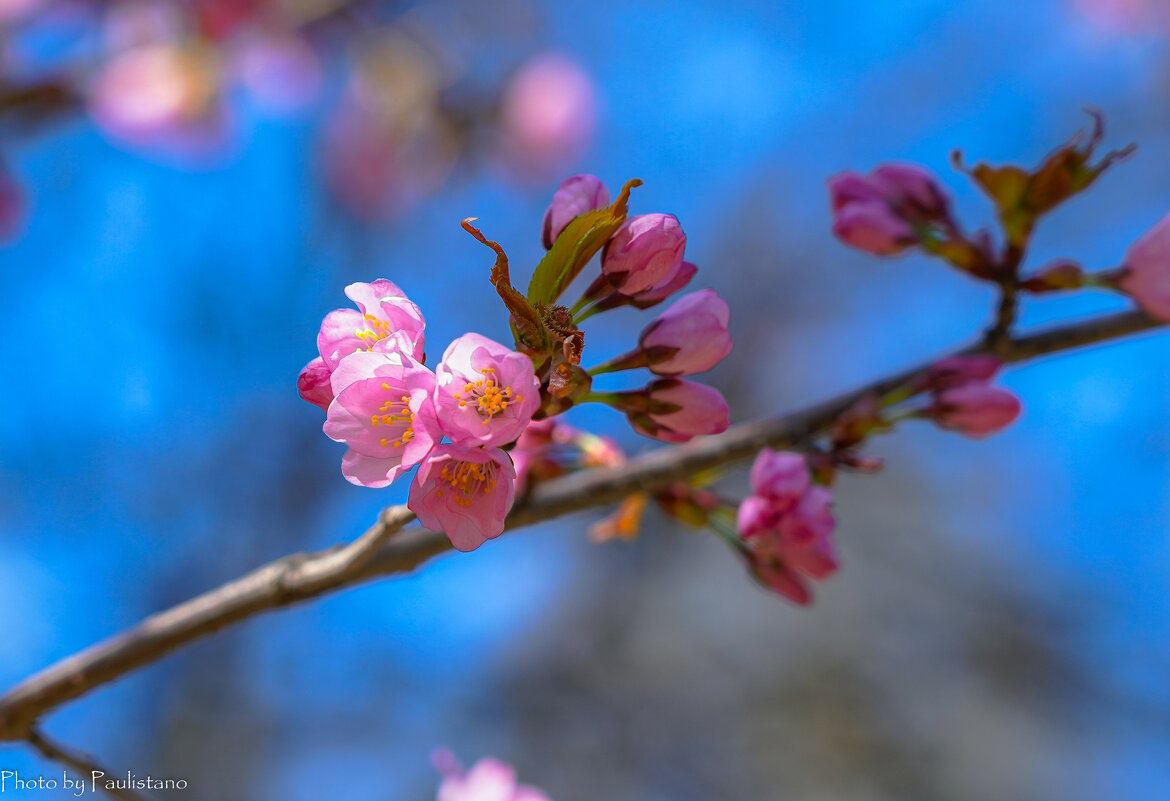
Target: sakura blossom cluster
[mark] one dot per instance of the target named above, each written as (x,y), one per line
(478,426)
(899,207)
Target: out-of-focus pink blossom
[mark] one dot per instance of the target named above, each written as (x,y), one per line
(1146,273)
(644,252)
(486,392)
(533,457)
(280,70)
(387,146)
(162,95)
(385,321)
(781,477)
(487,780)
(464,492)
(975,409)
(383,411)
(576,195)
(547,116)
(13,11)
(880,213)
(690,337)
(678,411)
(787,525)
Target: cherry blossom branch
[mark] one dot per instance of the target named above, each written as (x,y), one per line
(386,548)
(84,764)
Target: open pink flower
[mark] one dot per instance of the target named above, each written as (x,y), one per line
(486,393)
(576,195)
(975,409)
(383,411)
(690,337)
(678,411)
(644,252)
(1146,277)
(487,780)
(464,492)
(385,321)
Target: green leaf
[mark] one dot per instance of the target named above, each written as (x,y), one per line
(575,246)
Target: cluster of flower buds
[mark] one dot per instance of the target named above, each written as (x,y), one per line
(785,526)
(479,427)
(963,398)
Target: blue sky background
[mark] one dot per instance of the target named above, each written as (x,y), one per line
(152,444)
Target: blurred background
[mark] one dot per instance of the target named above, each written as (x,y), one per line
(187,187)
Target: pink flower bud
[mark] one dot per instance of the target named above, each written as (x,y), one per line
(912,191)
(810,520)
(464,492)
(757,516)
(782,580)
(955,371)
(975,409)
(880,213)
(695,409)
(1146,277)
(874,228)
(679,277)
(780,476)
(643,253)
(691,335)
(576,195)
(313,384)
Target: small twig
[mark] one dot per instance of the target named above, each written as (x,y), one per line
(998,337)
(84,764)
(302,576)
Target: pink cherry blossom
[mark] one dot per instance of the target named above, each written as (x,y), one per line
(1146,277)
(644,252)
(383,411)
(576,195)
(487,780)
(680,410)
(782,477)
(691,335)
(486,393)
(385,321)
(464,492)
(975,409)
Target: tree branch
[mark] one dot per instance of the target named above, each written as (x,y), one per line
(299,577)
(84,764)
